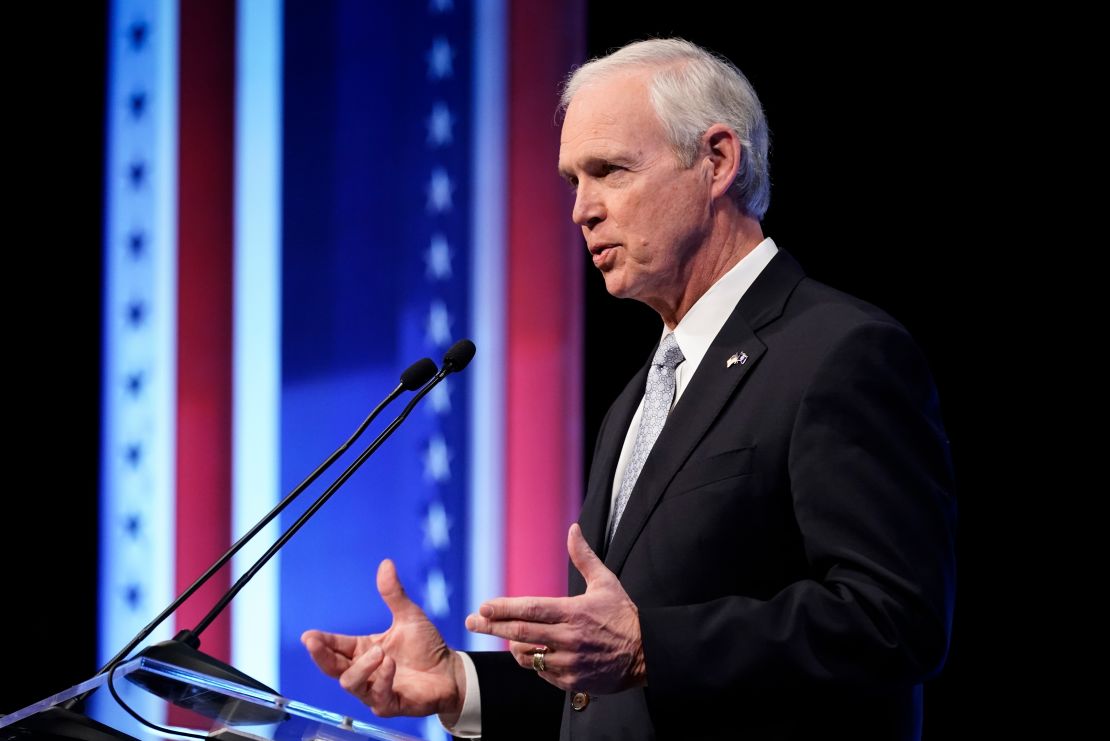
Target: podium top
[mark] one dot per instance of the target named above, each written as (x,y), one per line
(237,711)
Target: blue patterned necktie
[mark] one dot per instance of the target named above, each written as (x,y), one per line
(657,405)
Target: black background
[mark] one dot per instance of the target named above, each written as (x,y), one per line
(887,182)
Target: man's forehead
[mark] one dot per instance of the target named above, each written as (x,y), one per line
(592,126)
(605,118)
(591,144)
(609,97)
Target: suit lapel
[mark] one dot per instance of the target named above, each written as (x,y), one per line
(733,355)
(712,385)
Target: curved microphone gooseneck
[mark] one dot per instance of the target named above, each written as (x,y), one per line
(182,649)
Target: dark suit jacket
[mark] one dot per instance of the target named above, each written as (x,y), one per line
(789,542)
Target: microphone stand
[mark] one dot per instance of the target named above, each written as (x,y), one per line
(64,722)
(183,649)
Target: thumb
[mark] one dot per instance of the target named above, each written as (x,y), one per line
(582,556)
(393,594)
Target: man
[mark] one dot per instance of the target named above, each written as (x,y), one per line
(766,546)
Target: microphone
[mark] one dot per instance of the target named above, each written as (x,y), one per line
(458,356)
(182,649)
(413,377)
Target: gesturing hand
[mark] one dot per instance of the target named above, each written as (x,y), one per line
(593,640)
(408,670)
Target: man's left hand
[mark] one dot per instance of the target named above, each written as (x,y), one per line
(593,640)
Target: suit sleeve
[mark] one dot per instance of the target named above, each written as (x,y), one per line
(871,489)
(516,703)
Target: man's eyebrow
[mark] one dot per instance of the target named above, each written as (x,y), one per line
(593,162)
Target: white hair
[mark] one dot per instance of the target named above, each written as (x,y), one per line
(692,89)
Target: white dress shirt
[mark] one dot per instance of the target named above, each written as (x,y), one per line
(694,334)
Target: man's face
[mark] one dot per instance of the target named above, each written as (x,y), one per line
(643,214)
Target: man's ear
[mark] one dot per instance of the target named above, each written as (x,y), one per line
(723,151)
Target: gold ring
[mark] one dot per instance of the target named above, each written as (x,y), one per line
(537,658)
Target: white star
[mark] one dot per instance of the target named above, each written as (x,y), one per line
(439,125)
(439,191)
(438,330)
(438,258)
(436,593)
(439,399)
(441,6)
(437,460)
(437,527)
(439,59)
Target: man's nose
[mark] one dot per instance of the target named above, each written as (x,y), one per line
(589,210)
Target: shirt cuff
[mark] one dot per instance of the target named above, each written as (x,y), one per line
(469,724)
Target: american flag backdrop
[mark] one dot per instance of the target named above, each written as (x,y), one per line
(301,199)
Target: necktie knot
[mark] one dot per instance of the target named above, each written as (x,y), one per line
(669,353)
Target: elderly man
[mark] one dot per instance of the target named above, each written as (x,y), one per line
(766,546)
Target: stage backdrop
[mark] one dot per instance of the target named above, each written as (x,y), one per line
(301,200)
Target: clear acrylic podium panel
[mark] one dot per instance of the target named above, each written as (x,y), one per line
(235,711)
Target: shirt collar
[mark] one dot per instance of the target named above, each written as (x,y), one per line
(709,313)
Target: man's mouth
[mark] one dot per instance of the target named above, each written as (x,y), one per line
(601,253)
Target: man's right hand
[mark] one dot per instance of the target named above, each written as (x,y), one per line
(408,670)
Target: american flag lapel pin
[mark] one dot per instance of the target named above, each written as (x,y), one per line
(737,359)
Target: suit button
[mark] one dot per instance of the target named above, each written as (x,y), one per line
(580,700)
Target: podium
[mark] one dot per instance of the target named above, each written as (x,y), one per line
(235,712)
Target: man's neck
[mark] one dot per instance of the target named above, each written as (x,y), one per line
(733,237)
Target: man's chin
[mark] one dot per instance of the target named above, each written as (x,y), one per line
(615,284)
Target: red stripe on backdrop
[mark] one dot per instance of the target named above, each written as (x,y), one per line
(544,315)
(206,111)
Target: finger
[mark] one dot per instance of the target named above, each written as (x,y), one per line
(331,652)
(356,678)
(518,630)
(389,586)
(583,557)
(557,665)
(529,648)
(382,699)
(338,642)
(524,653)
(530,609)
